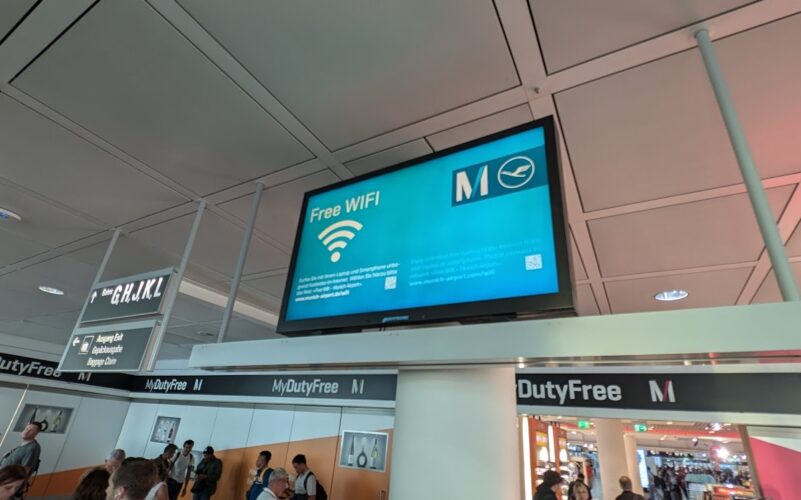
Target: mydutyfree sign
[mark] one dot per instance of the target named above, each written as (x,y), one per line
(597,390)
(775,393)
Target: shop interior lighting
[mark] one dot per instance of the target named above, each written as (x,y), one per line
(6,214)
(51,290)
(671,295)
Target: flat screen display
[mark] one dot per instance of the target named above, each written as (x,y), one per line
(470,232)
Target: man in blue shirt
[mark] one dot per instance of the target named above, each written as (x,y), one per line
(262,476)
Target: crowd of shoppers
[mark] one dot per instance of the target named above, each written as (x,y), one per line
(165,477)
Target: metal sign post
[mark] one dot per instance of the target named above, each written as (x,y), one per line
(172,292)
(240,264)
(753,182)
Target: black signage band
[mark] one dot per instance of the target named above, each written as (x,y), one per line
(373,387)
(359,387)
(774,393)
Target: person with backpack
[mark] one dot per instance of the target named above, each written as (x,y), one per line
(261,477)
(306,485)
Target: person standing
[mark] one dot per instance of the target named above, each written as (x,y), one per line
(93,485)
(551,486)
(180,469)
(579,479)
(165,459)
(627,494)
(276,486)
(114,460)
(306,485)
(132,481)
(262,476)
(28,452)
(207,474)
(581,492)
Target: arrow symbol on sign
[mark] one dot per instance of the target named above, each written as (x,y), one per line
(94,294)
(75,341)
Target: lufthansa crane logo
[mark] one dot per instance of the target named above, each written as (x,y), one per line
(516,172)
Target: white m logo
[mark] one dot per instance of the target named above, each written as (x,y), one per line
(659,394)
(464,188)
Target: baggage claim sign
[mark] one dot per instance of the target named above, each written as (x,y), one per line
(101,342)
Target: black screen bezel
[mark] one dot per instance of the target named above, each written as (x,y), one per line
(461,311)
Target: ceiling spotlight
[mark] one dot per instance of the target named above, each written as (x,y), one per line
(6,214)
(51,290)
(671,295)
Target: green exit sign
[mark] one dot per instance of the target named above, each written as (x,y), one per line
(640,428)
(583,424)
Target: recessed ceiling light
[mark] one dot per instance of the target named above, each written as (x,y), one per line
(6,214)
(51,290)
(671,295)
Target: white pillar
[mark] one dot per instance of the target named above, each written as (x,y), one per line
(455,435)
(630,441)
(611,455)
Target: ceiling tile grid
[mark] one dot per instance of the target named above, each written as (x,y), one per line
(158,99)
(431,57)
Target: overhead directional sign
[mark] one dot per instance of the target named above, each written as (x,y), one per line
(118,347)
(127,297)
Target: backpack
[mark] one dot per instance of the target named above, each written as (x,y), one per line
(321,494)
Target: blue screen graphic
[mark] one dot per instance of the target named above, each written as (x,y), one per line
(474,225)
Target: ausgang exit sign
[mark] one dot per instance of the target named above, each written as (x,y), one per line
(583,424)
(640,428)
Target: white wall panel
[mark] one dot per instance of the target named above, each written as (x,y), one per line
(94,432)
(231,428)
(196,424)
(51,443)
(314,423)
(9,400)
(366,420)
(136,429)
(270,426)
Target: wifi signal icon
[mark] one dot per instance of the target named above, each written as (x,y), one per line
(335,238)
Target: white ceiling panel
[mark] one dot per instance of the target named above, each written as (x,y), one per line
(61,321)
(279,210)
(585,301)
(707,289)
(717,231)
(158,99)
(22,300)
(41,221)
(362,68)
(73,172)
(481,127)
(763,71)
(11,11)
(242,329)
(574,31)
(189,310)
(256,297)
(769,291)
(216,245)
(656,127)
(794,243)
(13,248)
(579,273)
(35,331)
(273,285)
(388,157)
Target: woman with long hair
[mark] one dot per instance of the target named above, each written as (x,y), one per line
(92,486)
(12,478)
